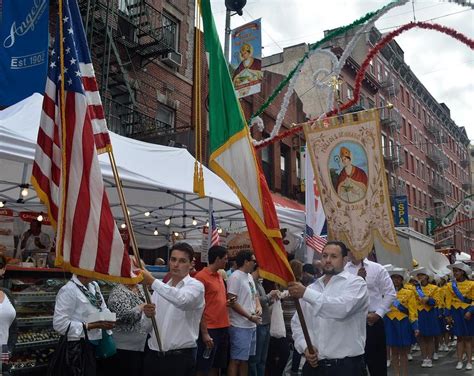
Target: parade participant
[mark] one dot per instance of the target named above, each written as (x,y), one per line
(335,308)
(179,306)
(460,311)
(400,323)
(131,331)
(441,342)
(427,301)
(215,320)
(76,301)
(34,240)
(244,314)
(8,324)
(257,362)
(381,296)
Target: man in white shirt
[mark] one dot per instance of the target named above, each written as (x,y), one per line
(179,307)
(335,309)
(244,314)
(34,240)
(381,296)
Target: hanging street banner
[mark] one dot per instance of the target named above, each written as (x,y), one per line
(23,50)
(246,58)
(430,226)
(400,214)
(347,159)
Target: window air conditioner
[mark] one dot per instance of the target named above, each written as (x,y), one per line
(172,59)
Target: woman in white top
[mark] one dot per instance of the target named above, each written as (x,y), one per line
(75,302)
(8,328)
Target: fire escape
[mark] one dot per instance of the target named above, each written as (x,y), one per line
(124,36)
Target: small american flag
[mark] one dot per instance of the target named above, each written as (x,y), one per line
(314,241)
(66,172)
(214,233)
(4,356)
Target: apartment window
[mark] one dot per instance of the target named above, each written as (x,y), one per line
(285,169)
(417,163)
(391,148)
(350,92)
(412,164)
(362,101)
(404,126)
(371,67)
(384,145)
(370,103)
(379,72)
(407,161)
(422,171)
(402,94)
(420,199)
(165,116)
(267,163)
(410,134)
(414,196)
(170,33)
(408,98)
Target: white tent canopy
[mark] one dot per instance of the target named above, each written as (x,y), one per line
(156,178)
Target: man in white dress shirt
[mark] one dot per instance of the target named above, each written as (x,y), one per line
(335,308)
(381,296)
(179,307)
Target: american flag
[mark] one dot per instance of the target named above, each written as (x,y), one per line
(316,242)
(66,172)
(214,233)
(4,356)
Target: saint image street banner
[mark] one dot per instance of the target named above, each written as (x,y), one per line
(348,163)
(246,58)
(23,50)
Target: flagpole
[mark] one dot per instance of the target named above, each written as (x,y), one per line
(299,312)
(133,240)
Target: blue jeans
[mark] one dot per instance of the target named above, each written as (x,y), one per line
(257,361)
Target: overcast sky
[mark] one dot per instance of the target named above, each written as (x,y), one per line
(444,65)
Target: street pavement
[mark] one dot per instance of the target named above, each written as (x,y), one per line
(444,366)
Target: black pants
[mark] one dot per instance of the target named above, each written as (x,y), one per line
(182,364)
(126,363)
(376,350)
(345,367)
(278,354)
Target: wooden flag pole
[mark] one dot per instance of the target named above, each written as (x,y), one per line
(133,240)
(299,311)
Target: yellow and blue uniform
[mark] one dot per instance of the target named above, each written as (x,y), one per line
(442,308)
(456,308)
(428,312)
(402,319)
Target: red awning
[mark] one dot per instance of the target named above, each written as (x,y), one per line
(287,203)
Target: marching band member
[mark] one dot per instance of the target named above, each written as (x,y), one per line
(401,322)
(427,302)
(460,309)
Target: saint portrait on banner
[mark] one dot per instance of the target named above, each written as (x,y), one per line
(349,181)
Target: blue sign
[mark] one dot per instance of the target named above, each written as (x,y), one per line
(400,216)
(23,49)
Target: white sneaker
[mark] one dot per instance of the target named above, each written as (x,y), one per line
(459,365)
(435,356)
(415,347)
(445,348)
(429,363)
(388,363)
(409,356)
(469,366)
(424,363)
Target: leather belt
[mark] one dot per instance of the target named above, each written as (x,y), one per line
(162,354)
(338,362)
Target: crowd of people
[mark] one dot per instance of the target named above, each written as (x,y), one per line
(235,323)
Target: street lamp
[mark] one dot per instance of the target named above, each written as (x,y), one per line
(231,6)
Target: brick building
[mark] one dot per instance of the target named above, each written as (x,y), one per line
(426,153)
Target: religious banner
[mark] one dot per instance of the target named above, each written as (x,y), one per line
(348,163)
(24,49)
(246,59)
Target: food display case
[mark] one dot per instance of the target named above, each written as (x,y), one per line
(34,291)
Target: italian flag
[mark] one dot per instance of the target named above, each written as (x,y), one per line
(233,159)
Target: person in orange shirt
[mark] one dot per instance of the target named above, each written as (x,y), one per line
(211,353)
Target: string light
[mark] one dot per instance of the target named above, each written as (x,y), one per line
(123,225)
(155,232)
(168,221)
(24,192)
(194,221)
(207,224)
(2,204)
(147,214)
(219,231)
(176,234)
(40,218)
